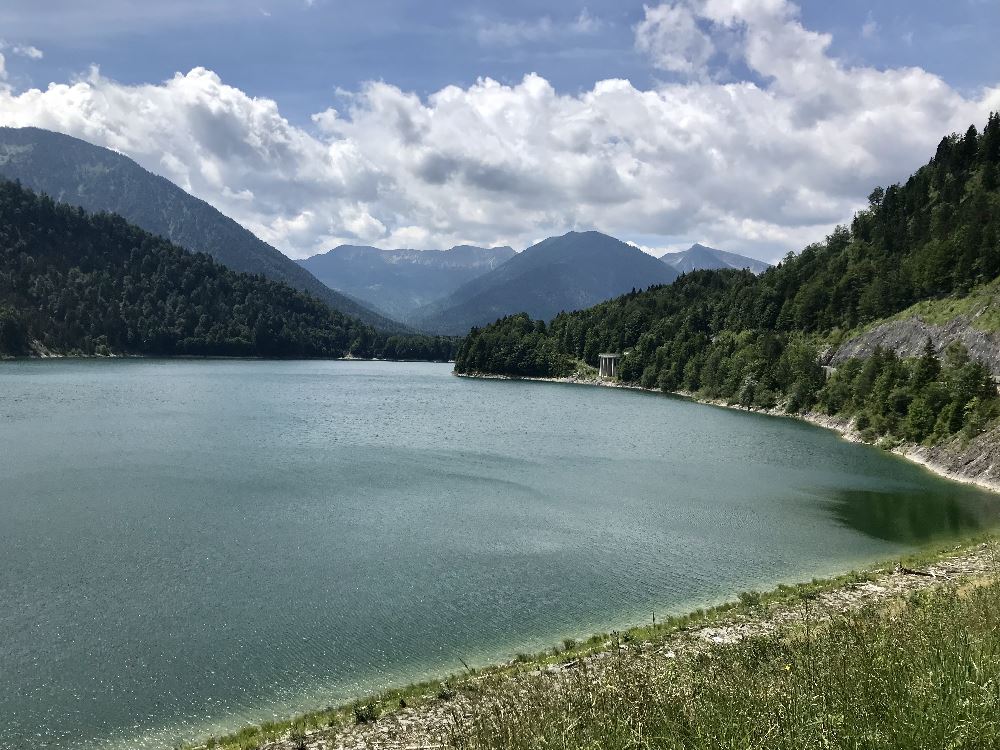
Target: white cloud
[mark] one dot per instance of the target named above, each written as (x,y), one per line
(670,35)
(586,23)
(27,50)
(22,50)
(869,29)
(494,32)
(758,167)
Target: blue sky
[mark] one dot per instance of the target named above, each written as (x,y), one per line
(299,54)
(309,57)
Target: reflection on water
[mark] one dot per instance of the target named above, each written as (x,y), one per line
(914,518)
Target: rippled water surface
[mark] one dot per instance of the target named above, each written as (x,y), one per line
(186,546)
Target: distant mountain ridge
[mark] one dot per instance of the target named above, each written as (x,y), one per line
(571,272)
(400,281)
(73,171)
(702,258)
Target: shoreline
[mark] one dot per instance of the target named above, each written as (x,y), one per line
(425,715)
(918,454)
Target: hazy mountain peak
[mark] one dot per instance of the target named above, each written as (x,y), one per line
(400,280)
(702,257)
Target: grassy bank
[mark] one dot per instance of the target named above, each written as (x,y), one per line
(981,306)
(923,672)
(791,668)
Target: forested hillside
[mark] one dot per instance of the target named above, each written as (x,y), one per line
(99,179)
(73,282)
(757,339)
(570,272)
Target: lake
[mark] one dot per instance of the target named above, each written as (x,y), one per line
(188,546)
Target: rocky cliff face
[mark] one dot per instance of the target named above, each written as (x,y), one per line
(976,461)
(907,337)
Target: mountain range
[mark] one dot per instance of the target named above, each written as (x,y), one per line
(398,282)
(97,179)
(570,272)
(449,291)
(437,291)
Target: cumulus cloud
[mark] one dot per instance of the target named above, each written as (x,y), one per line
(762,166)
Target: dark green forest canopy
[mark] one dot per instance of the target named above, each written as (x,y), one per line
(755,339)
(93,284)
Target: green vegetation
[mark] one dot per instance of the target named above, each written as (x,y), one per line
(100,180)
(558,273)
(515,345)
(916,400)
(921,676)
(94,284)
(755,340)
(981,306)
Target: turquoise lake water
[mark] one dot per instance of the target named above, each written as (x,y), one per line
(188,546)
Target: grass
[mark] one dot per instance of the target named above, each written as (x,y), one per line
(923,674)
(551,714)
(981,305)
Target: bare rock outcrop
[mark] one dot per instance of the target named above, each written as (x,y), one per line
(908,336)
(976,460)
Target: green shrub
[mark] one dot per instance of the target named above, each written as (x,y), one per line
(366,713)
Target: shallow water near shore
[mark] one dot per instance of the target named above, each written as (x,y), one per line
(189,546)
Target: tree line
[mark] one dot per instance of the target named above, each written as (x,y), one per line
(757,340)
(93,284)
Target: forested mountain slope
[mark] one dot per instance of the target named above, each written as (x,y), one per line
(757,339)
(98,179)
(570,272)
(73,282)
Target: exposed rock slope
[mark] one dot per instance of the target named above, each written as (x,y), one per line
(908,336)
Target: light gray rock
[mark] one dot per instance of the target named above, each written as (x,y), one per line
(908,336)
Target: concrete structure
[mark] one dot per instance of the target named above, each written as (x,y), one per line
(608,365)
